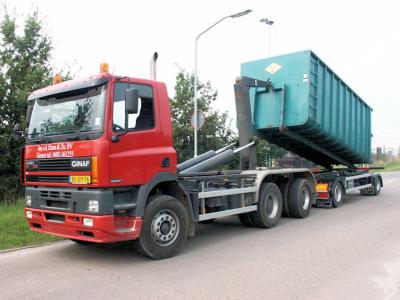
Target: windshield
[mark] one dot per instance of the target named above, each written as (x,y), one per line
(79,112)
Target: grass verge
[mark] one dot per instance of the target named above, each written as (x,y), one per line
(14,230)
(390,167)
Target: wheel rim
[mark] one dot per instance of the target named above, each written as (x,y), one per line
(165,228)
(305,198)
(378,186)
(271,205)
(338,193)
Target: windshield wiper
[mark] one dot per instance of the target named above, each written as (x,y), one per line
(31,135)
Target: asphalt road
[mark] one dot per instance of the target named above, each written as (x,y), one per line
(348,253)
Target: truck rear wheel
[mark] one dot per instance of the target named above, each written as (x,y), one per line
(284,187)
(269,206)
(165,227)
(300,198)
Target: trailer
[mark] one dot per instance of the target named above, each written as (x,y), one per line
(332,185)
(104,178)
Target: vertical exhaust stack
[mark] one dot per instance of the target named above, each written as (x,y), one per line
(153,66)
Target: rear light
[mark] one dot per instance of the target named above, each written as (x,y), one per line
(322,195)
(322,187)
(95,178)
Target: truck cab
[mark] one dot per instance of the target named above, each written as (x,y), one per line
(88,158)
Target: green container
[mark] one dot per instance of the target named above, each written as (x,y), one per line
(310,111)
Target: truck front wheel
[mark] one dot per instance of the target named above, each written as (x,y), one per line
(165,227)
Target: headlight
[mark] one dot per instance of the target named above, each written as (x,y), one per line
(93,206)
(28,200)
(88,222)
(29,214)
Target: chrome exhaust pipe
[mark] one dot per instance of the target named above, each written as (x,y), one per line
(153,67)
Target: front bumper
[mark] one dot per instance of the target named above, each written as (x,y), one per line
(105,229)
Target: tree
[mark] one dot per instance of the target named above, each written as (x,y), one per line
(24,67)
(216,132)
(266,152)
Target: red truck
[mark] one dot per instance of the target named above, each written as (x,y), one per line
(99,167)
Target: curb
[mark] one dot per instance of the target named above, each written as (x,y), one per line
(30,246)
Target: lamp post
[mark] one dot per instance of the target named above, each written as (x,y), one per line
(240,14)
(269,23)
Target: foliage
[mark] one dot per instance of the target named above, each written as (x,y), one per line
(391,167)
(14,230)
(266,152)
(24,67)
(216,132)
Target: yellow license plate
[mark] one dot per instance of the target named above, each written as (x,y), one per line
(79,179)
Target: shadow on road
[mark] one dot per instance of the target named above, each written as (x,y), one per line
(223,231)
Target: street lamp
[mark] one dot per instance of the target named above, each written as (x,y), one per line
(269,23)
(240,14)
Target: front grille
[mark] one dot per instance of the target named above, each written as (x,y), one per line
(47,178)
(63,164)
(55,195)
(59,164)
(55,199)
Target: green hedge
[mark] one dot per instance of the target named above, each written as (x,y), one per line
(10,189)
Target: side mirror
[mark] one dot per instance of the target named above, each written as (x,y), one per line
(17,132)
(131,101)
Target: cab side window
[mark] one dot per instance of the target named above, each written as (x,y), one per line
(144,118)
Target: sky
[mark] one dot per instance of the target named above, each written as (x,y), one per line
(359,40)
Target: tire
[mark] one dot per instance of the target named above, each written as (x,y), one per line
(269,206)
(165,227)
(284,187)
(81,242)
(377,186)
(337,194)
(245,219)
(300,198)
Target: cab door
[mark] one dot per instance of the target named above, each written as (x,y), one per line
(134,158)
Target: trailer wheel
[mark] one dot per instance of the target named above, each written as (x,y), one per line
(377,186)
(337,194)
(165,227)
(269,206)
(300,198)
(245,220)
